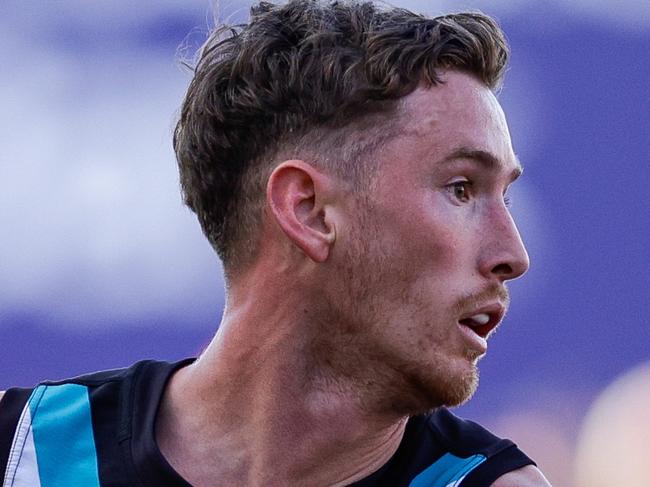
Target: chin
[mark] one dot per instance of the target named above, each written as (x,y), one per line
(462,390)
(423,391)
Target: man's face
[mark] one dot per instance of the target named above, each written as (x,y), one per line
(424,265)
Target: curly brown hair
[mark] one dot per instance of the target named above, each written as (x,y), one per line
(289,80)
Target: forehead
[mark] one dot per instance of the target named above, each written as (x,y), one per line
(459,113)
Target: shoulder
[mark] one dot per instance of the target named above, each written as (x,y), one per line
(528,476)
(79,418)
(495,460)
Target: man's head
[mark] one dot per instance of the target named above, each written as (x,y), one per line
(315,80)
(371,141)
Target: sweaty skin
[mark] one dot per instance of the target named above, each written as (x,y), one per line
(348,320)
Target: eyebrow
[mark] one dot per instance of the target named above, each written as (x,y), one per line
(483,158)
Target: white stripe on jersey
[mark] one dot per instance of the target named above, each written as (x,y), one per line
(22,467)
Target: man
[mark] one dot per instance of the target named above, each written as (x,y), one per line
(349,164)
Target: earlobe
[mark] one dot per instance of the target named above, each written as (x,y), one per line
(297,197)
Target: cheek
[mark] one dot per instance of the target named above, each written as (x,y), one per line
(424,238)
(434,240)
(424,271)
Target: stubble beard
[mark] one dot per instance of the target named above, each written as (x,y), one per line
(417,388)
(386,380)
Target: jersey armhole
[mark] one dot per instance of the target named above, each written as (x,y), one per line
(507,460)
(11,407)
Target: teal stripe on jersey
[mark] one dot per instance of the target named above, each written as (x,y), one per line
(63,436)
(448,471)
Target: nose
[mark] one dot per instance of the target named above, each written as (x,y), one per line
(503,254)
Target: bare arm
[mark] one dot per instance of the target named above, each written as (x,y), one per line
(528,476)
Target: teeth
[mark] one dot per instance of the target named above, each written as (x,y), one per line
(481,318)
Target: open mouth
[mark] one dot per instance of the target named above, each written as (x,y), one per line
(482,323)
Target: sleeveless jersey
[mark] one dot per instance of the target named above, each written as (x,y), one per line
(98,430)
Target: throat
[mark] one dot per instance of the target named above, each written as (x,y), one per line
(319,439)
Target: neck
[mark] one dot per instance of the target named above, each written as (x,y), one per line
(263,412)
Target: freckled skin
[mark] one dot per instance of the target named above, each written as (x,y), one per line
(413,251)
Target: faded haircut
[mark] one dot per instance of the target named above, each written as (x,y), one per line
(317,80)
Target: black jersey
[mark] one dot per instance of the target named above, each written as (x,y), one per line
(98,430)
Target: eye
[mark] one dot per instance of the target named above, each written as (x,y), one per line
(507,200)
(461,190)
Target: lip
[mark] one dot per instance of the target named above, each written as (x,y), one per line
(475,341)
(496,312)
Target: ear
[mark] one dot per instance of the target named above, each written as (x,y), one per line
(297,195)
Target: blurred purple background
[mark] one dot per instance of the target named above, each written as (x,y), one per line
(101,265)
